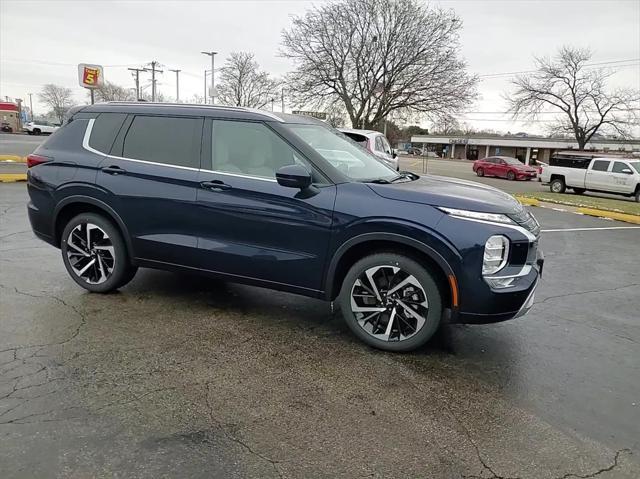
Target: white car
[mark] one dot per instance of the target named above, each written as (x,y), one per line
(376,143)
(607,175)
(39,127)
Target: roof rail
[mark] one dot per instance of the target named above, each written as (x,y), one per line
(196,105)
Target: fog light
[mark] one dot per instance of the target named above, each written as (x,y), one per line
(500,283)
(496,251)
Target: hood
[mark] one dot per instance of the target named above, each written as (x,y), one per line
(450,193)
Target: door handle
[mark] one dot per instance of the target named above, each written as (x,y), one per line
(113,170)
(215,185)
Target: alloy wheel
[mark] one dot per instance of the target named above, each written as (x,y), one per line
(389,303)
(90,253)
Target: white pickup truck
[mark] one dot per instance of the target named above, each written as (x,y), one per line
(607,175)
(40,127)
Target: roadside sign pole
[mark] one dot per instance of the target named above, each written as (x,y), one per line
(92,97)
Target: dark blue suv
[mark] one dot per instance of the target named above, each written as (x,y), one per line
(282,202)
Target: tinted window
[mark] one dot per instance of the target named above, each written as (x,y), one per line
(360,139)
(105,129)
(379,146)
(250,149)
(618,166)
(569,162)
(168,140)
(600,165)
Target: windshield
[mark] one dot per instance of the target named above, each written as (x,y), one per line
(344,155)
(635,165)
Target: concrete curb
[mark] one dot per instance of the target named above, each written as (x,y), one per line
(528,201)
(13,158)
(12,177)
(612,215)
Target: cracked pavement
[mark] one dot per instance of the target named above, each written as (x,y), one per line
(185,376)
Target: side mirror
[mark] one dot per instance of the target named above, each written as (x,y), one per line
(394,154)
(627,171)
(294,176)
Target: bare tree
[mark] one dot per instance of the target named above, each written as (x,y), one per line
(378,57)
(566,84)
(112,92)
(242,83)
(58,98)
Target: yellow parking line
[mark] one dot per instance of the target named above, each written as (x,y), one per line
(528,201)
(13,158)
(12,177)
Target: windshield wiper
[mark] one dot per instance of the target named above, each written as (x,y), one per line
(379,181)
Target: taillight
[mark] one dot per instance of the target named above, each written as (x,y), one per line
(34,160)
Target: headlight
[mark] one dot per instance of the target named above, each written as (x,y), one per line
(496,251)
(493,217)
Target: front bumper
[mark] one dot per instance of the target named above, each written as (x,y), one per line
(506,304)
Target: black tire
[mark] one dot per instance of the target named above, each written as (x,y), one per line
(36,131)
(480,172)
(579,191)
(511,176)
(122,270)
(638,195)
(557,185)
(427,283)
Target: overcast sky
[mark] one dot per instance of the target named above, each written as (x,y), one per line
(43,41)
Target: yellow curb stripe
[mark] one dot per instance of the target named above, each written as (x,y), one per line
(12,177)
(13,158)
(610,214)
(528,201)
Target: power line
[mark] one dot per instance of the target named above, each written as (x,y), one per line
(589,65)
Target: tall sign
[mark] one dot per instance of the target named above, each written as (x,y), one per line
(90,77)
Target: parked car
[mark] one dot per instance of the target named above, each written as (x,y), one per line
(607,175)
(40,127)
(282,202)
(504,167)
(376,143)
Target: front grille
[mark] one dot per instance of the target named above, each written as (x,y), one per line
(527,221)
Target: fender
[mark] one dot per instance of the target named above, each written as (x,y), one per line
(398,238)
(74,199)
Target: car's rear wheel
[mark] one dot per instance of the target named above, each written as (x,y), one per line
(579,191)
(480,172)
(557,185)
(36,131)
(95,254)
(391,302)
(638,195)
(511,175)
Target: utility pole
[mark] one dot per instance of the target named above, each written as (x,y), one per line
(137,77)
(282,100)
(31,105)
(154,64)
(205,86)
(177,84)
(213,75)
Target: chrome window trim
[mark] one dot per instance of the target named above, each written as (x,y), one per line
(518,228)
(86,146)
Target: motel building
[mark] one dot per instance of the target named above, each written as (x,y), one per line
(528,149)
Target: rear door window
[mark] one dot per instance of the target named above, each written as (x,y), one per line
(600,165)
(104,131)
(163,139)
(385,145)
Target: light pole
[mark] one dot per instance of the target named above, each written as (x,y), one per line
(31,105)
(206,72)
(213,76)
(177,84)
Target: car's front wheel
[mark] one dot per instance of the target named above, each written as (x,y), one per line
(511,175)
(95,254)
(480,172)
(391,302)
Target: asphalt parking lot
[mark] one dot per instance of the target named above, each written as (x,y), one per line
(181,376)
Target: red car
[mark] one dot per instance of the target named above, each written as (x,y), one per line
(504,167)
